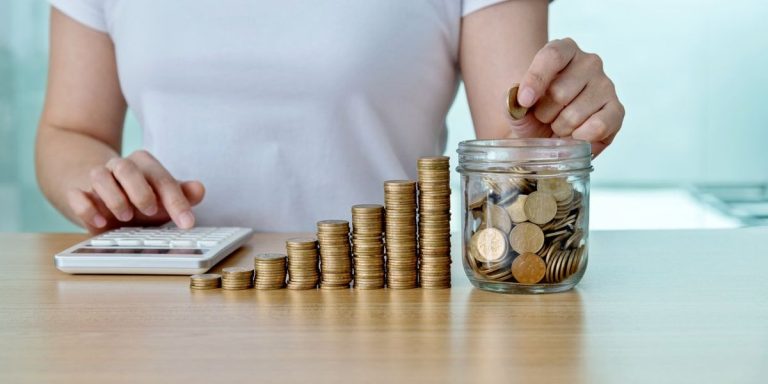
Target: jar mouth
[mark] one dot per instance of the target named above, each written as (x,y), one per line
(564,153)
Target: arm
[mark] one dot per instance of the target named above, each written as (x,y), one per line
(570,94)
(79,139)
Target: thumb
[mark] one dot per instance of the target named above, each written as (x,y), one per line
(194,191)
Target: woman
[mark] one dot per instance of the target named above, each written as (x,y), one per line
(289,111)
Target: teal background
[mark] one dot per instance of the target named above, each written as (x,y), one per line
(691,73)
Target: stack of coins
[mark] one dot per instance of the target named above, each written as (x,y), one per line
(434,222)
(400,233)
(335,260)
(368,245)
(270,270)
(237,278)
(302,263)
(205,281)
(529,228)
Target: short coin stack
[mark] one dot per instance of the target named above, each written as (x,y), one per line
(434,222)
(302,263)
(400,233)
(335,260)
(368,245)
(270,270)
(235,278)
(205,281)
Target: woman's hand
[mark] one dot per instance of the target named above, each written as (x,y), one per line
(136,190)
(571,96)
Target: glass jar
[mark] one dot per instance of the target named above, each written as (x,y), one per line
(525,213)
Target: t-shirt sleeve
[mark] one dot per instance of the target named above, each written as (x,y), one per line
(469,6)
(87,12)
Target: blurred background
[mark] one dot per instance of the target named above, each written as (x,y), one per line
(691,73)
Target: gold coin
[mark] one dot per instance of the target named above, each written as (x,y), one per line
(540,207)
(526,237)
(497,217)
(516,210)
(559,187)
(516,111)
(528,268)
(491,245)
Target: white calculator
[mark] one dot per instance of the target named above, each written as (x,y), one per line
(165,250)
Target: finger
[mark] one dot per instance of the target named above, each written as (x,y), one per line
(546,110)
(106,187)
(194,191)
(168,189)
(548,62)
(601,127)
(599,146)
(594,97)
(85,210)
(134,184)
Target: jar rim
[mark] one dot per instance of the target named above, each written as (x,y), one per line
(564,153)
(528,143)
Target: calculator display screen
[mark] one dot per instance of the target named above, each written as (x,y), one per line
(142,251)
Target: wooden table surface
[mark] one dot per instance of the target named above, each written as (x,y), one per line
(654,306)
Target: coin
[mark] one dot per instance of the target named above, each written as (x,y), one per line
(491,245)
(558,187)
(205,281)
(235,278)
(335,256)
(368,246)
(516,210)
(540,207)
(434,193)
(516,111)
(526,237)
(270,270)
(497,217)
(528,268)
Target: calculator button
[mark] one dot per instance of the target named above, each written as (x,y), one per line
(182,243)
(128,242)
(207,243)
(156,242)
(103,242)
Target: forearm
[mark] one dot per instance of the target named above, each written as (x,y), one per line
(497,46)
(64,159)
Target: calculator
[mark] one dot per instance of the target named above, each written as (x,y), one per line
(166,250)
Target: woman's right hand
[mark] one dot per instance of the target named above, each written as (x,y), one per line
(134,191)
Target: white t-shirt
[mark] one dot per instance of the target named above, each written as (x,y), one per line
(289,111)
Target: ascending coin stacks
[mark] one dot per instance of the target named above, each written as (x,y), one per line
(400,233)
(302,263)
(368,245)
(434,222)
(335,260)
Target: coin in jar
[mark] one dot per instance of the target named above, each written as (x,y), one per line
(528,268)
(526,237)
(540,207)
(491,245)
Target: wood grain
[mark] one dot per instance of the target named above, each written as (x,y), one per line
(656,306)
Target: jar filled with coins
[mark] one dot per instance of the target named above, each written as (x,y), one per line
(525,216)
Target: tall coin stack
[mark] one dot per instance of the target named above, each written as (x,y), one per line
(400,233)
(302,263)
(368,245)
(335,260)
(270,270)
(434,222)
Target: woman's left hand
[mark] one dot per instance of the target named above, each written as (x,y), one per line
(571,96)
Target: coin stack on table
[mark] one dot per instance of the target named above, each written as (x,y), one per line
(205,281)
(368,245)
(269,270)
(335,260)
(302,263)
(235,278)
(434,222)
(530,229)
(400,233)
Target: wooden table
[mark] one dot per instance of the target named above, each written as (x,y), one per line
(655,306)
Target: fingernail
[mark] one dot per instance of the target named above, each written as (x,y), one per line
(125,216)
(99,221)
(526,97)
(151,210)
(186,219)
